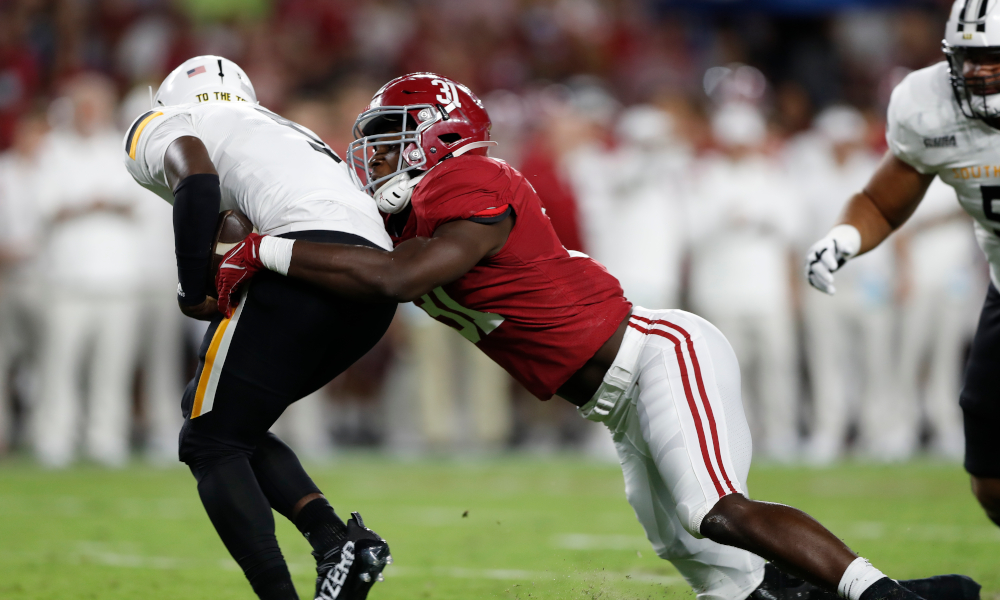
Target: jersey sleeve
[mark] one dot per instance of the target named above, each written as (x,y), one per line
(473,188)
(904,141)
(146,143)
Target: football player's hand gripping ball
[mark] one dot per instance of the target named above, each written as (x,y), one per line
(829,254)
(237,266)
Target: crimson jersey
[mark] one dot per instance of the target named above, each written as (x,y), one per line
(536,309)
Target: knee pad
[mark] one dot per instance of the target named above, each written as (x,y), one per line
(200,450)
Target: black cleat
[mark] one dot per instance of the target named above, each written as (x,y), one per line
(351,569)
(778,585)
(943,587)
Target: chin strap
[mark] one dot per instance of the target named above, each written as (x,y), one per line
(393,197)
(473,146)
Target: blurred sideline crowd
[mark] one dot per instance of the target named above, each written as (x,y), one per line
(695,156)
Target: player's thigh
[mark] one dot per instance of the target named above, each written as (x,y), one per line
(641,479)
(286,340)
(690,416)
(295,337)
(980,397)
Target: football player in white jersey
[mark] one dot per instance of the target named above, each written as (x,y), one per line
(944,121)
(207,146)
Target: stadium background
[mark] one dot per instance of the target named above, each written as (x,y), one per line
(422,428)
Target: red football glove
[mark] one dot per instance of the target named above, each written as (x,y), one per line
(237,266)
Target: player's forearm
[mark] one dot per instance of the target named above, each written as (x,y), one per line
(863,214)
(197,197)
(359,272)
(892,194)
(196,208)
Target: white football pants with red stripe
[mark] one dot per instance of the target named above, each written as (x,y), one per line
(672,401)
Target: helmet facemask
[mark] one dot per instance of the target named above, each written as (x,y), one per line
(977,96)
(400,126)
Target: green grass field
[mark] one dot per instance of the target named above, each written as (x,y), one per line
(552,528)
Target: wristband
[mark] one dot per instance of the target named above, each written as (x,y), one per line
(276,253)
(848,239)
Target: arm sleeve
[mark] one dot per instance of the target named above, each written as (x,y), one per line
(904,142)
(146,143)
(196,210)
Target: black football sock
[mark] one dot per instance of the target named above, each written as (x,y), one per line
(280,475)
(274,584)
(321,526)
(242,516)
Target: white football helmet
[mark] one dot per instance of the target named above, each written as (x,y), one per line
(972,35)
(205,79)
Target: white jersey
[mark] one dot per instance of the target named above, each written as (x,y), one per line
(927,130)
(276,172)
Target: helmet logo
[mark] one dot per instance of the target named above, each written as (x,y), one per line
(449,94)
(424,115)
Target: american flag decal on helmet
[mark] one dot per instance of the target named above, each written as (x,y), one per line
(196,71)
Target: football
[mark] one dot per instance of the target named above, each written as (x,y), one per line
(230,230)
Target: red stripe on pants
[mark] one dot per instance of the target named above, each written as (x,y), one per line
(701,390)
(690,400)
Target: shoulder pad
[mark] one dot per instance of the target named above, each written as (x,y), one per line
(135,131)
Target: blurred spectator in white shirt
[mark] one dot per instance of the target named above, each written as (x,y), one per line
(742,220)
(942,283)
(161,332)
(849,336)
(646,225)
(19,239)
(91,268)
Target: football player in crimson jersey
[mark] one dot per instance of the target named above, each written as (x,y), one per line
(475,250)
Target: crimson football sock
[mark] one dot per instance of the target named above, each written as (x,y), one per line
(321,526)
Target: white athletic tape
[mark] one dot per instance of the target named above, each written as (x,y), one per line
(858,577)
(276,253)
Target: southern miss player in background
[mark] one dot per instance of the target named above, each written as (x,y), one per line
(944,121)
(476,251)
(208,146)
